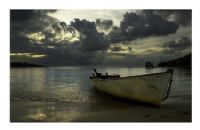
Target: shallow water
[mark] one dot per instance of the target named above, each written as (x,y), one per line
(55,93)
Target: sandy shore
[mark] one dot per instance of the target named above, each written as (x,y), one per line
(174,109)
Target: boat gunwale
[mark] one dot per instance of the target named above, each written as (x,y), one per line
(133,76)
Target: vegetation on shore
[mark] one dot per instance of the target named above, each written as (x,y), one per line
(182,62)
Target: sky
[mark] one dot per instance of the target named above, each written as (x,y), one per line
(99,37)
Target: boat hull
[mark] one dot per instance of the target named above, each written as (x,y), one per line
(150,88)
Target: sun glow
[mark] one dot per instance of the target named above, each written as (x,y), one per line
(28,55)
(62,36)
(37,37)
(57,37)
(148,51)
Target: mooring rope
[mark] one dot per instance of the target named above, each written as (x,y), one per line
(169,87)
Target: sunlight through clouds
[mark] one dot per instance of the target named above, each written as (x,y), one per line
(36,37)
(27,55)
(83,37)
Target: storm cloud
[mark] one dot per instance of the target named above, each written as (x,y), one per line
(177,46)
(84,42)
(181,17)
(23,22)
(142,25)
(104,25)
(35,32)
(117,48)
(90,38)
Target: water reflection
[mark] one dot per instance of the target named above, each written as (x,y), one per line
(43,111)
(32,79)
(36,114)
(73,84)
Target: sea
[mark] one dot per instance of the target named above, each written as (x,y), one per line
(60,93)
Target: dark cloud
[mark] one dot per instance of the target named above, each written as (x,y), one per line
(58,49)
(115,35)
(181,17)
(36,21)
(21,15)
(26,15)
(90,38)
(91,44)
(64,26)
(57,27)
(130,49)
(24,22)
(116,48)
(119,48)
(28,21)
(177,46)
(104,24)
(142,25)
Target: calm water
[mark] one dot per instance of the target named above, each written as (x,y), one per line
(71,85)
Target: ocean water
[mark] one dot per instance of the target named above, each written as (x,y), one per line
(56,91)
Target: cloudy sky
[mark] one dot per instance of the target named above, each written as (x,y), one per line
(99,37)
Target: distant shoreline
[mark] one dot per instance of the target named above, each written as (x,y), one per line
(22,64)
(182,62)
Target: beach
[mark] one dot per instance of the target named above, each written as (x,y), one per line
(170,111)
(37,101)
(175,109)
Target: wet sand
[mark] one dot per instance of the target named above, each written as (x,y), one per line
(174,109)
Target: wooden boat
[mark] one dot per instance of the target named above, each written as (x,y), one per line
(149,88)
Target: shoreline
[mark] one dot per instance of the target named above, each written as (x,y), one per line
(170,111)
(177,108)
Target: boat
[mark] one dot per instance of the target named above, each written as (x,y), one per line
(149,88)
